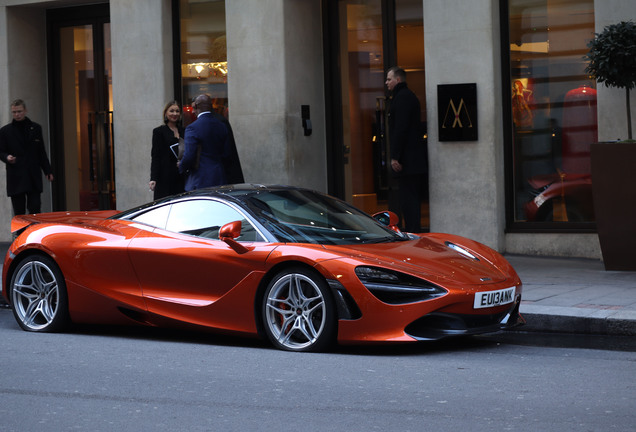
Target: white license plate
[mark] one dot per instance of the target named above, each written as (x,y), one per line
(494,298)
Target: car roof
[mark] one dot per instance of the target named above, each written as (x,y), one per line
(239,189)
(234,192)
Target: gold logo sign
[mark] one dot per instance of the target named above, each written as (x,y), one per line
(456,115)
(457,112)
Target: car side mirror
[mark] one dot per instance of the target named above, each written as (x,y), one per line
(229,233)
(231,230)
(388,219)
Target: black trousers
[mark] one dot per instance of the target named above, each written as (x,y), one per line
(30,200)
(411,202)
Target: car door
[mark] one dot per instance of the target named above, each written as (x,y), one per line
(187,274)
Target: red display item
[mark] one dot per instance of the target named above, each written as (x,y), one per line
(579,129)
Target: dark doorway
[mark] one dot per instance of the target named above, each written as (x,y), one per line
(364,38)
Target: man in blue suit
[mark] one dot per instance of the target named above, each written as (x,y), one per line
(206,148)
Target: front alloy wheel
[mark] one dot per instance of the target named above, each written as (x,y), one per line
(38,295)
(298,311)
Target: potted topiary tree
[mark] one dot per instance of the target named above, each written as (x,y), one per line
(612,61)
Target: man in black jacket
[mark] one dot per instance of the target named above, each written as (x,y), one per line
(22,150)
(409,160)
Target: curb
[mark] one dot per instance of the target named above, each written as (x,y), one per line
(571,321)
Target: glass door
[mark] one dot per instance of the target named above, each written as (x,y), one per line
(373,35)
(81,107)
(361,80)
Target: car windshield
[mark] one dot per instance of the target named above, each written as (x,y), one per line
(302,216)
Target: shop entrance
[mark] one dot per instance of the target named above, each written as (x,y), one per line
(81,108)
(366,38)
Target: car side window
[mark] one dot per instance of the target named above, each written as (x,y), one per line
(156,217)
(204,218)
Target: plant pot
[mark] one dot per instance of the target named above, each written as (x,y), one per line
(614,194)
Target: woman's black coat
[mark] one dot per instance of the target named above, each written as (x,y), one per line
(163,164)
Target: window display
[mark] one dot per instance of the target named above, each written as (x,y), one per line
(203,54)
(553,112)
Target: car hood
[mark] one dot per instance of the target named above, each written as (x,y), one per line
(431,259)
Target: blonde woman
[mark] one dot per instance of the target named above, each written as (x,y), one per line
(165,179)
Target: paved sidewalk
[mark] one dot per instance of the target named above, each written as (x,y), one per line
(568,295)
(572,295)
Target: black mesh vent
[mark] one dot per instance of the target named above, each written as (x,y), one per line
(439,325)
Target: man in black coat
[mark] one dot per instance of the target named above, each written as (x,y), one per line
(409,160)
(22,150)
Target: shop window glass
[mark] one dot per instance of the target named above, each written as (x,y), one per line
(203,53)
(554,118)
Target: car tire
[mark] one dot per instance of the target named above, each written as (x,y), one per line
(38,295)
(298,311)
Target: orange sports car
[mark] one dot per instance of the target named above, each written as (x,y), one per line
(295,266)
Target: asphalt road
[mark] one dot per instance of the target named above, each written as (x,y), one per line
(113,379)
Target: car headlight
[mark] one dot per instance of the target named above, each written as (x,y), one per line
(397,288)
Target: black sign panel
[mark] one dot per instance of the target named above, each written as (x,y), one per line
(457,112)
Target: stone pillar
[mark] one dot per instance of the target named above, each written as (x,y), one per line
(142,85)
(23,66)
(275,66)
(612,117)
(466,178)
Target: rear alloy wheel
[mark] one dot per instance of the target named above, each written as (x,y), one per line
(38,295)
(298,311)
